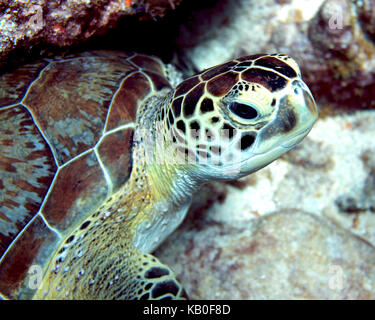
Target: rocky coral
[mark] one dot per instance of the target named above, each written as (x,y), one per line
(341,36)
(61,23)
(361,197)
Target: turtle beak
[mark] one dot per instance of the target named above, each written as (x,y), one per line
(296,115)
(307,114)
(310,102)
(306,107)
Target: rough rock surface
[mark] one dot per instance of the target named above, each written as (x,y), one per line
(285,255)
(26,24)
(333,40)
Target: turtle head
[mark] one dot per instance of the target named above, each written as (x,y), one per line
(235,118)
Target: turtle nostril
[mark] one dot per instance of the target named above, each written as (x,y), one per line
(300,87)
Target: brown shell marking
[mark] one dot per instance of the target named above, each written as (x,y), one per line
(213,72)
(192,98)
(186,86)
(35,244)
(148,63)
(13,86)
(220,85)
(27,168)
(75,191)
(268,79)
(132,91)
(176,106)
(277,65)
(70,102)
(159,82)
(115,160)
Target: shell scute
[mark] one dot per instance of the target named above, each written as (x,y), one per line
(134,88)
(109,55)
(159,82)
(78,188)
(70,102)
(27,168)
(115,160)
(36,243)
(14,85)
(152,64)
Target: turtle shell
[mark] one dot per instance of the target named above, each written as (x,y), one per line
(66,129)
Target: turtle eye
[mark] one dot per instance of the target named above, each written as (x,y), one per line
(244,111)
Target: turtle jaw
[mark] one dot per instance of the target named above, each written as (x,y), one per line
(294,141)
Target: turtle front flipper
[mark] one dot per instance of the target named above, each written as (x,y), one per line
(149,279)
(142,277)
(113,275)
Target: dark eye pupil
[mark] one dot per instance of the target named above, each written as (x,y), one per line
(243,110)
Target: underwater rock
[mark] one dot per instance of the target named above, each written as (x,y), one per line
(362,196)
(285,255)
(343,43)
(26,24)
(333,41)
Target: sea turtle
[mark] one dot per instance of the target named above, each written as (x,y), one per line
(100,157)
